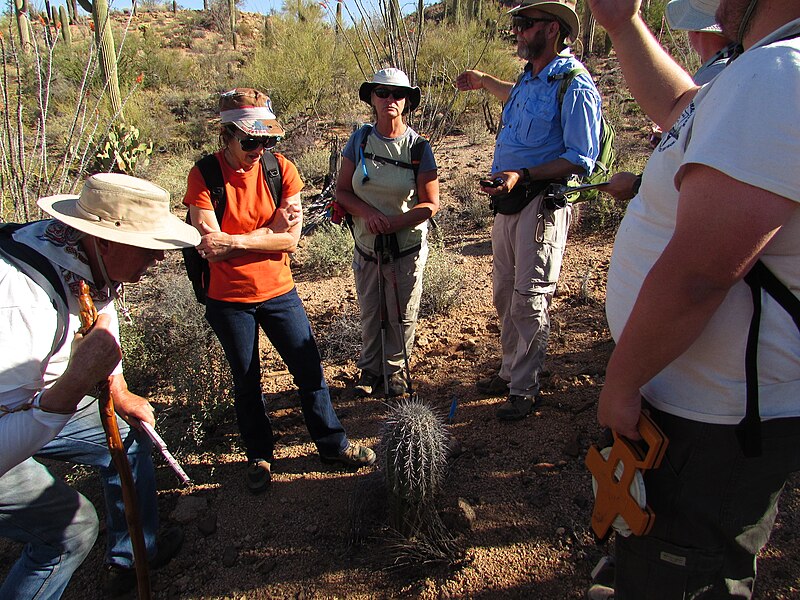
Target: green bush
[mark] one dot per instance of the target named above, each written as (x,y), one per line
(303,68)
(169,347)
(442,282)
(313,164)
(328,252)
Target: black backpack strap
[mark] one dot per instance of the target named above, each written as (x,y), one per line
(417,152)
(272,173)
(42,272)
(211,171)
(760,278)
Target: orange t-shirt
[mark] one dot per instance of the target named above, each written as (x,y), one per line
(254,276)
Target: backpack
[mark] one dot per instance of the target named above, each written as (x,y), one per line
(417,150)
(196,266)
(42,272)
(605,159)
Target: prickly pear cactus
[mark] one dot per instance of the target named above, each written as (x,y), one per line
(415,458)
(122,151)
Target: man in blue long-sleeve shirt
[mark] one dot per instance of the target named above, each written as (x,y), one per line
(541,140)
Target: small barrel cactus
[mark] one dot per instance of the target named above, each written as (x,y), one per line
(415,459)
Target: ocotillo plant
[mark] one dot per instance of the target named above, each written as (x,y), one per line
(414,446)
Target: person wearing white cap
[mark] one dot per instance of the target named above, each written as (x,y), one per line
(544,137)
(110,234)
(389,200)
(251,285)
(715,50)
(702,300)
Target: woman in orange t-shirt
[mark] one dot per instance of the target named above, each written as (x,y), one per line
(251,284)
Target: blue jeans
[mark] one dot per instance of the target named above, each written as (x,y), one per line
(284,321)
(57,524)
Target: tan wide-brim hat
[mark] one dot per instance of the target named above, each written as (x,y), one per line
(563,9)
(393,78)
(123,209)
(250,111)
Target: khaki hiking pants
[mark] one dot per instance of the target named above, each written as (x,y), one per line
(408,271)
(527,249)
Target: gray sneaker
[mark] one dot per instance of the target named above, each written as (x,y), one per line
(397,385)
(516,407)
(354,456)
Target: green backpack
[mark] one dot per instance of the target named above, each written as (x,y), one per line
(605,159)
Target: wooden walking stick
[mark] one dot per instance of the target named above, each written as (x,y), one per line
(88,315)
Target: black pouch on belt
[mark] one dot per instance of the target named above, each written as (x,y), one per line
(518,198)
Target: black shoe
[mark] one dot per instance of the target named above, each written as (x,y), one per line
(397,385)
(367,384)
(516,407)
(259,475)
(492,386)
(121,581)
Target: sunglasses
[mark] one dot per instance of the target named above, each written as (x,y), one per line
(385,93)
(249,144)
(520,23)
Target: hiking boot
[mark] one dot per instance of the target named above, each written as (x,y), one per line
(367,384)
(121,581)
(354,456)
(516,407)
(259,475)
(397,385)
(602,587)
(492,386)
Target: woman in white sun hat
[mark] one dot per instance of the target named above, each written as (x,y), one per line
(388,184)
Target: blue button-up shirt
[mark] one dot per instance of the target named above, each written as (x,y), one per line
(536,131)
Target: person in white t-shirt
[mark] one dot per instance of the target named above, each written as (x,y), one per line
(720,193)
(112,233)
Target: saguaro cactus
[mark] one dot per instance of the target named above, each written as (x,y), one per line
(106,52)
(21,12)
(66,33)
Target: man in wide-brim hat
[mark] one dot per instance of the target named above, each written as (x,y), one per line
(550,130)
(110,234)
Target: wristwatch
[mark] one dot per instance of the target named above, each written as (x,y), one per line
(526,176)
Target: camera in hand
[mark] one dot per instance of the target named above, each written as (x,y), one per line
(492,183)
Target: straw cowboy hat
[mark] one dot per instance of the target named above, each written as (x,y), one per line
(251,111)
(563,9)
(693,15)
(392,77)
(123,209)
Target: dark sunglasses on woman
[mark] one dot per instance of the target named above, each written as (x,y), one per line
(385,93)
(249,144)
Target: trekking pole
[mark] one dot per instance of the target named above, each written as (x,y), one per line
(394,251)
(384,316)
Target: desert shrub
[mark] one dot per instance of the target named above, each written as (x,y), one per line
(472,206)
(318,76)
(313,164)
(475,130)
(339,339)
(328,251)
(170,345)
(442,282)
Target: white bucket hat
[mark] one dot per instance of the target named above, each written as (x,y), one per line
(693,15)
(563,9)
(123,209)
(395,78)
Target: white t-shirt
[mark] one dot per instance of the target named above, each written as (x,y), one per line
(28,322)
(745,124)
